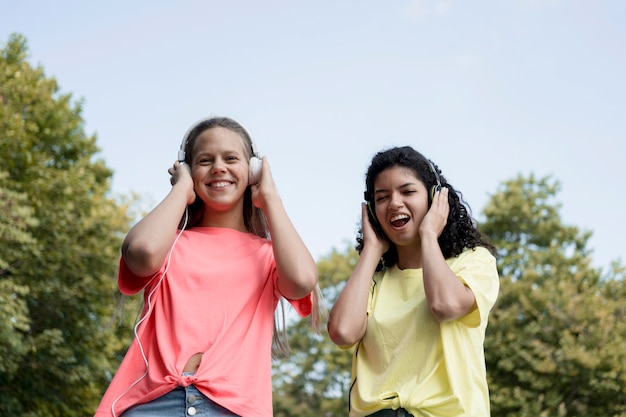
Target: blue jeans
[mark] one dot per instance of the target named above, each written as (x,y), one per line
(181,402)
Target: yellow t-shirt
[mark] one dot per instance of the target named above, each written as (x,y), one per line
(408,359)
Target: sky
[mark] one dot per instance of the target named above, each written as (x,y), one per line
(487,90)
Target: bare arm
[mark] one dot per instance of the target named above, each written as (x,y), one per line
(446,294)
(297,272)
(347,321)
(146,245)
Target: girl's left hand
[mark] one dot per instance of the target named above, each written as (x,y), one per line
(437,217)
(265,189)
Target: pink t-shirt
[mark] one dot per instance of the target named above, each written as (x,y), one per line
(216,294)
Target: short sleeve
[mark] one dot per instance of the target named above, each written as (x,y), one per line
(477,269)
(128,282)
(303,306)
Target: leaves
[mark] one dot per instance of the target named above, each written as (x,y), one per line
(554,345)
(61,234)
(556,340)
(315,379)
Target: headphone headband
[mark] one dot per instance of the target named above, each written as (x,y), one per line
(434,171)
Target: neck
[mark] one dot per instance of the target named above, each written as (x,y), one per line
(409,257)
(224,219)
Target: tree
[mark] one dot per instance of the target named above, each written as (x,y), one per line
(15,218)
(314,381)
(556,342)
(61,233)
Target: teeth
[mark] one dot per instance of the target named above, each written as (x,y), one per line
(221,184)
(399,217)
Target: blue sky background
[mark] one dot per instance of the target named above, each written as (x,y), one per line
(487,90)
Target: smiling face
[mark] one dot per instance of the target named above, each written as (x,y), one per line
(400,202)
(219,169)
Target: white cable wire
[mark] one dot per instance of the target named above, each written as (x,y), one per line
(148,311)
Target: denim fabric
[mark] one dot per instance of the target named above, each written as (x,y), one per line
(181,402)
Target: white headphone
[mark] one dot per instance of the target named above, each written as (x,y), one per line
(255,163)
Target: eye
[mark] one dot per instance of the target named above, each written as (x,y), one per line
(380,198)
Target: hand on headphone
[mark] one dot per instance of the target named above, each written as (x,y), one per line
(370,236)
(437,217)
(265,189)
(181,174)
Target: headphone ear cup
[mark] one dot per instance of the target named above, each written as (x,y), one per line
(372,215)
(434,190)
(254,174)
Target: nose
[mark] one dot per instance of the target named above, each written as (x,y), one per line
(219,165)
(395,202)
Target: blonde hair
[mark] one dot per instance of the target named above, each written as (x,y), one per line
(280,341)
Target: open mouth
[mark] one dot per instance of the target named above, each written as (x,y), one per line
(399,220)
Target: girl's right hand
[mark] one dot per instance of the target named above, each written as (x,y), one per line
(181,175)
(370,237)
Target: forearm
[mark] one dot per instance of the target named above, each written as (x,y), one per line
(347,321)
(446,294)
(147,243)
(296,267)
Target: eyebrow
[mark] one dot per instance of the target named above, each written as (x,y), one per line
(221,152)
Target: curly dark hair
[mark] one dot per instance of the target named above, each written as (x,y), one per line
(461,230)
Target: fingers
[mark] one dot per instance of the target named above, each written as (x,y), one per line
(440,202)
(437,215)
(370,236)
(171,170)
(366,226)
(264,191)
(176,170)
(266,184)
(266,172)
(442,197)
(365,218)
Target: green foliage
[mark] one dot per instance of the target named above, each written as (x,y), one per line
(61,234)
(555,345)
(16,217)
(556,342)
(315,379)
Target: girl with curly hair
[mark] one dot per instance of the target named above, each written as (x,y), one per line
(415,308)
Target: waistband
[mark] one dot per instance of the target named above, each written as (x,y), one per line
(400,412)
